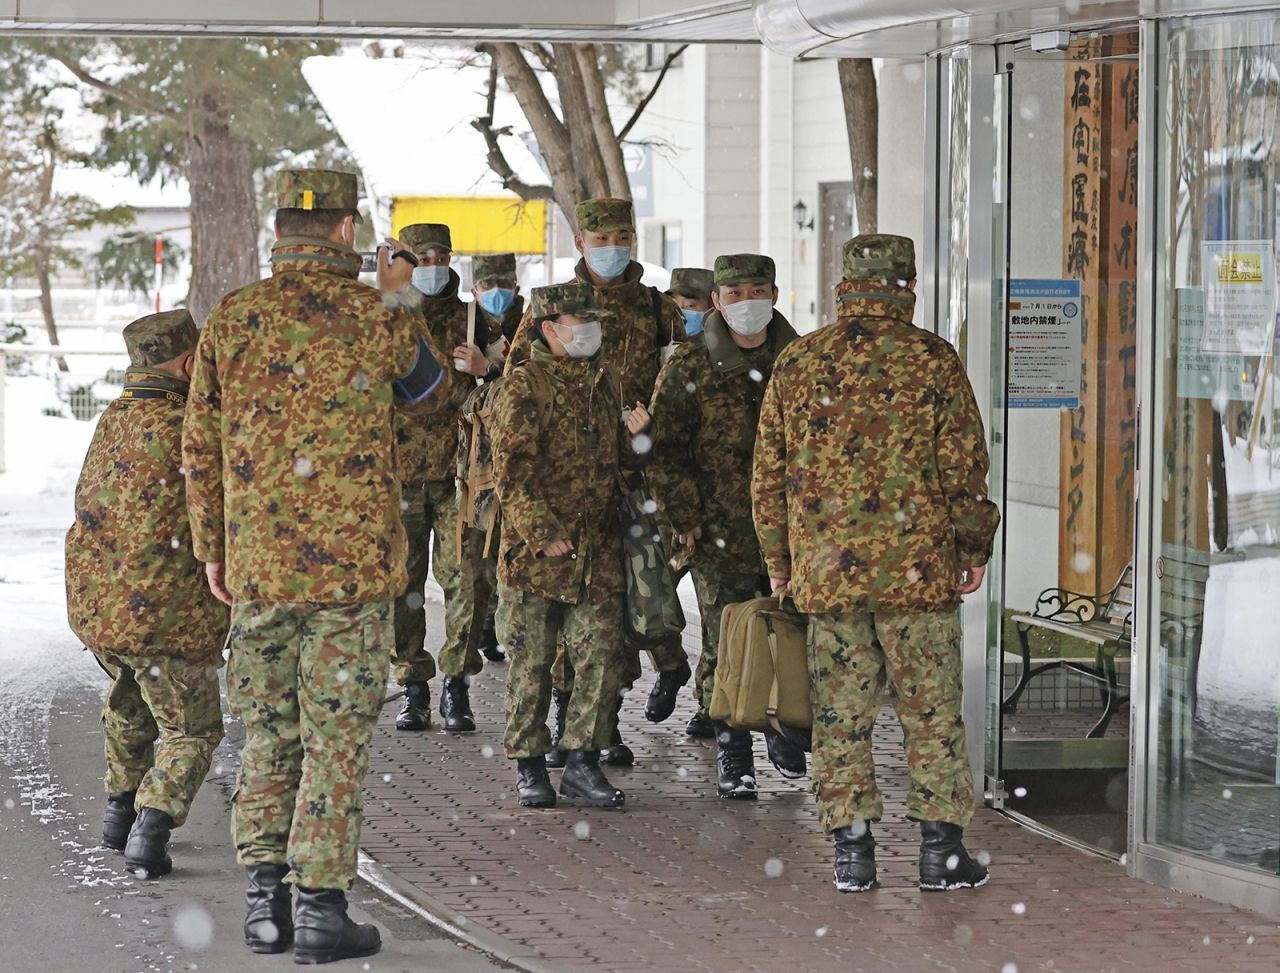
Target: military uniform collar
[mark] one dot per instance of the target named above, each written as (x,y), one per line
(541,353)
(630,276)
(312,254)
(724,351)
(873,299)
(140,380)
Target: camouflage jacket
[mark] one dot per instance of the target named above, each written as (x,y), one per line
(427,431)
(133,585)
(869,485)
(557,440)
(633,339)
(705,410)
(289,444)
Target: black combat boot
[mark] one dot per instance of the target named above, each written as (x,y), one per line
(662,697)
(557,755)
(944,863)
(617,753)
(146,853)
(584,781)
(118,819)
(699,726)
(786,756)
(533,786)
(268,917)
(489,646)
(324,934)
(855,857)
(415,714)
(736,767)
(455,705)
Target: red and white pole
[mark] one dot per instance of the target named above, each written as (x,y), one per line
(159,268)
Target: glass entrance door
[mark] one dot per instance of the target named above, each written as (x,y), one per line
(1064,426)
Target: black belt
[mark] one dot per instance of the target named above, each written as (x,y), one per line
(146,392)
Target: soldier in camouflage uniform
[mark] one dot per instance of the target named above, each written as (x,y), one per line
(691,290)
(137,598)
(643,326)
(427,441)
(289,448)
(705,410)
(499,308)
(869,501)
(557,442)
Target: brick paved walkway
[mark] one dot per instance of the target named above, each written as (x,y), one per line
(681,881)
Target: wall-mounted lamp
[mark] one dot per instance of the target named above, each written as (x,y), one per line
(800,210)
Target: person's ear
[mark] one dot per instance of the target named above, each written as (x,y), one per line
(577,243)
(189,364)
(775,295)
(715,301)
(911,284)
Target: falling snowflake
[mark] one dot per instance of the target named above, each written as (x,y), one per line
(983,858)
(343,675)
(414,600)
(192,927)
(386,778)
(302,466)
(821,931)
(174,543)
(1019,908)
(154,672)
(755,375)
(360,382)
(953,862)
(582,831)
(773,867)
(650,507)
(641,443)
(1226,793)
(486,751)
(1019,792)
(691,388)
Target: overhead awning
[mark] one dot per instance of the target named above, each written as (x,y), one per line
(602,20)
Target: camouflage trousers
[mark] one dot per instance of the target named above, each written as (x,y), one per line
(532,628)
(716,591)
(851,660)
(430,515)
(162,720)
(308,682)
(484,577)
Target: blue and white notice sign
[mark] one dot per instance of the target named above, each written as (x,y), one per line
(1044,344)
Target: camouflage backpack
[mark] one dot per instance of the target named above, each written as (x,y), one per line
(476,480)
(652,612)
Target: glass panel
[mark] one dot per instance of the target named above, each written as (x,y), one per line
(957,126)
(1216,668)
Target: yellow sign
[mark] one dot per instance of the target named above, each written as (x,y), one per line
(1240,268)
(478,224)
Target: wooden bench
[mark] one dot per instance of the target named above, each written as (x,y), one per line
(1104,620)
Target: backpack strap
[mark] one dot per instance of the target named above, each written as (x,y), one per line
(471,323)
(659,323)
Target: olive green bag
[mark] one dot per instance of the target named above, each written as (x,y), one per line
(653,613)
(762,672)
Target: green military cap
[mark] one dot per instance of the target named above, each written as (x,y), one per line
(576,299)
(744,268)
(691,282)
(880,256)
(316,189)
(604,214)
(421,237)
(494,266)
(159,338)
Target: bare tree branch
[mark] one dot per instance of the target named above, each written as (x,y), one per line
(496,158)
(128,97)
(644,102)
(592,179)
(862,118)
(543,54)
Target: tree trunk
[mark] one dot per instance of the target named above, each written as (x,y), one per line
(224,217)
(602,124)
(42,256)
(553,138)
(577,119)
(862,118)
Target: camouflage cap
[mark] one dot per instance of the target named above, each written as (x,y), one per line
(604,214)
(691,282)
(744,268)
(317,189)
(421,237)
(494,266)
(159,338)
(576,299)
(880,256)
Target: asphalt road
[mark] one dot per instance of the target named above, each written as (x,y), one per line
(66,905)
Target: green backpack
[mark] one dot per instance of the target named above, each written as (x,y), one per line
(653,612)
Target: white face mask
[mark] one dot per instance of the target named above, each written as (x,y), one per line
(430,280)
(585,340)
(748,318)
